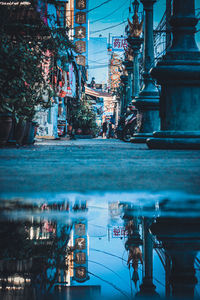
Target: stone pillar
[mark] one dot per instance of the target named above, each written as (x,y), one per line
(117,111)
(147,288)
(129,67)
(168,17)
(178,73)
(124,81)
(147,102)
(181,240)
(135,43)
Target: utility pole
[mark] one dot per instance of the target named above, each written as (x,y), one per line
(147,102)
(147,288)
(168,17)
(109,58)
(178,74)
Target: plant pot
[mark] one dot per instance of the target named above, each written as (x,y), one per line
(5,128)
(26,133)
(69,128)
(35,128)
(19,132)
(32,133)
(79,131)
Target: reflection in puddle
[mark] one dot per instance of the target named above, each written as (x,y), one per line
(86,247)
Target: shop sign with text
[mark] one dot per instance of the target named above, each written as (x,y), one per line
(119,232)
(119,43)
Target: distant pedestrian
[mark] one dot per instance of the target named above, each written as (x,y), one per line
(105,127)
(109,130)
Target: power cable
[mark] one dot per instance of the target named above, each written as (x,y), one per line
(92,32)
(110,283)
(98,67)
(96,52)
(94,262)
(95,61)
(107,253)
(89,10)
(110,14)
(105,2)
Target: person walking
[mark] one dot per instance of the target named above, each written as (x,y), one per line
(110,130)
(105,127)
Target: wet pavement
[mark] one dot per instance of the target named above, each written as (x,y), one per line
(93,219)
(111,246)
(97,165)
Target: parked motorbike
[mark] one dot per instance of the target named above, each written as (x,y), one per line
(120,127)
(130,127)
(127,125)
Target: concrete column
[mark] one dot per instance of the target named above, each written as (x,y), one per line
(178,73)
(129,67)
(117,112)
(168,17)
(147,102)
(124,81)
(147,288)
(181,240)
(135,43)
(136,76)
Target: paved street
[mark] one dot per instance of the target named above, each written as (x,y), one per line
(97,165)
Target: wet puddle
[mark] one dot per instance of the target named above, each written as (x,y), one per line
(99,246)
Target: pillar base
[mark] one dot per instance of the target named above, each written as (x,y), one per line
(140,138)
(148,114)
(147,289)
(175,140)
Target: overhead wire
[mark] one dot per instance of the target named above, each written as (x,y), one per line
(110,283)
(96,52)
(93,249)
(95,61)
(89,10)
(110,14)
(98,67)
(110,27)
(102,265)
(105,2)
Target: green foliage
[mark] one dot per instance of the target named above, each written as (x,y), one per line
(22,80)
(25,49)
(84,117)
(14,240)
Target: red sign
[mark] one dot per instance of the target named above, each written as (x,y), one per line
(119,232)
(119,44)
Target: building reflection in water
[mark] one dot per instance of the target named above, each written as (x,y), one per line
(176,241)
(43,257)
(180,238)
(133,242)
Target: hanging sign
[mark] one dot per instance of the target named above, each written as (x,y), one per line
(80,46)
(80,17)
(119,43)
(81,60)
(80,4)
(80,32)
(119,232)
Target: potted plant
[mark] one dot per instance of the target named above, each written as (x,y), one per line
(22,85)
(8,80)
(5,121)
(84,119)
